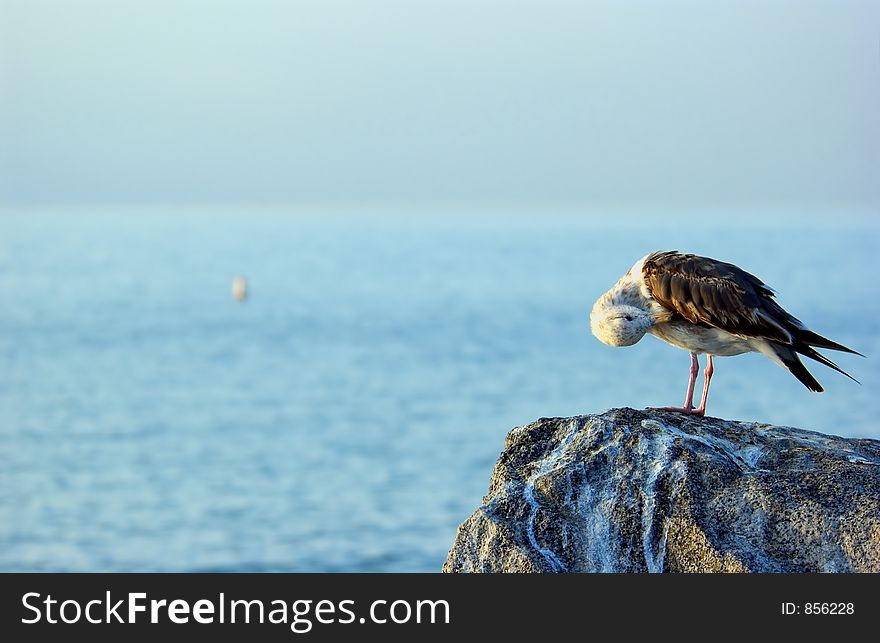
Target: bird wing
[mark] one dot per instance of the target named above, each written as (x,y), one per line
(714,293)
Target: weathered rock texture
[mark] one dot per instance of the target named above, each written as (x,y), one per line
(651,491)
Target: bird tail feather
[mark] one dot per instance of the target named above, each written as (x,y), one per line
(815,339)
(808,351)
(791,361)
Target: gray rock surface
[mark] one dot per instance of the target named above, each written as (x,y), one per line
(652,491)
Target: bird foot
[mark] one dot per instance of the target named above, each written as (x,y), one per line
(679,409)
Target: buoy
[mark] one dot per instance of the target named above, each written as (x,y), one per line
(239,289)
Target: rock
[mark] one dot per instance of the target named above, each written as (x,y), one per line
(652,491)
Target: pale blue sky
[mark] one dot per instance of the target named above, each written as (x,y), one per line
(479,101)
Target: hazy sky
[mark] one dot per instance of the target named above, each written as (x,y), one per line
(482,101)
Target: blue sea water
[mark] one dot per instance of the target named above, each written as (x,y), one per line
(346,417)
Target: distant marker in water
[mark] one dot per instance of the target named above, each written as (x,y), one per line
(239,289)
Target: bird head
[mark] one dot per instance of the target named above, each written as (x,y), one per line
(620,325)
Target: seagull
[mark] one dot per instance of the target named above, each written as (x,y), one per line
(703,305)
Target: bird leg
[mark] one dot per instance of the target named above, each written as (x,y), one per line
(707,378)
(692,382)
(688,407)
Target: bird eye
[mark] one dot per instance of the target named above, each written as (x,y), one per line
(628,317)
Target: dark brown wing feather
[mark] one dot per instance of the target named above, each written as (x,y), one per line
(714,293)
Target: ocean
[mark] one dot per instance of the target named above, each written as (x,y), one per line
(347,415)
